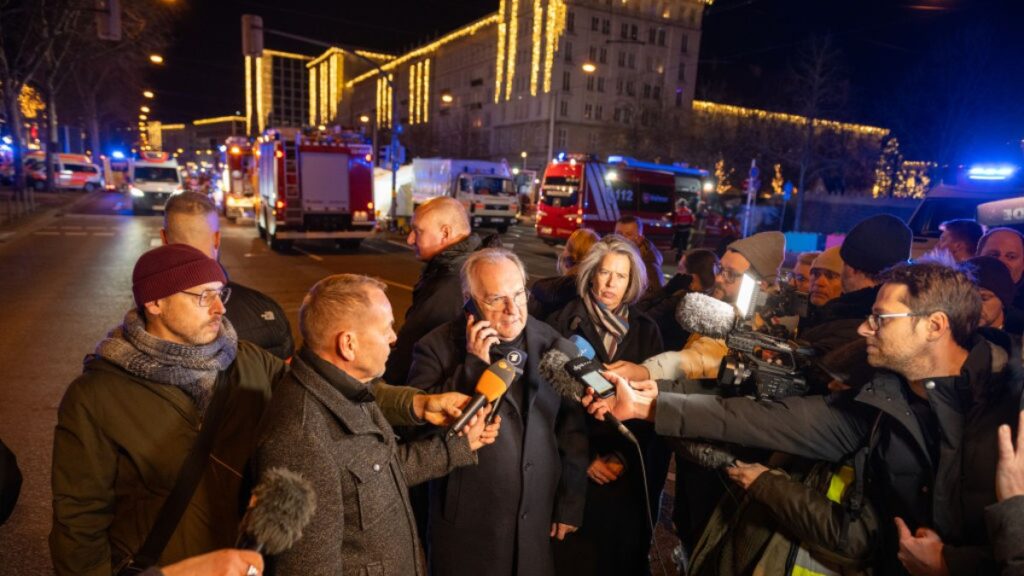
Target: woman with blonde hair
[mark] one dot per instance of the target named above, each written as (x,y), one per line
(616,535)
(549,294)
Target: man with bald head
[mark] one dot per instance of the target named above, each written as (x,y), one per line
(442,238)
(1007,246)
(191,218)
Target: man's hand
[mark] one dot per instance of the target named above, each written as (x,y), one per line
(227,562)
(560,531)
(479,338)
(605,469)
(1010,468)
(745,474)
(629,370)
(439,409)
(632,400)
(921,553)
(479,432)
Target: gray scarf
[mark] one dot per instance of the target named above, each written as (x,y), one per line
(194,369)
(612,325)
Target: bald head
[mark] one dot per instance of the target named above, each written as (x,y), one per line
(436,225)
(191,218)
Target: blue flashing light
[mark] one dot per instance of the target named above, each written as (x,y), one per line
(117,155)
(222,148)
(561,156)
(991,171)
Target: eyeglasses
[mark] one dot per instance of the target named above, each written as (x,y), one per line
(206,296)
(875,321)
(498,303)
(727,274)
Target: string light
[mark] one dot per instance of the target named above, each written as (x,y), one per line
(513,40)
(312,96)
(730,110)
(413,94)
(324,108)
(499,67)
(426,90)
(259,94)
(555,26)
(538,25)
(217,120)
(248,94)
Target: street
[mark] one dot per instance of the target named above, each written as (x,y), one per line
(66,281)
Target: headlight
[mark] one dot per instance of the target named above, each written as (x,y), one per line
(136,192)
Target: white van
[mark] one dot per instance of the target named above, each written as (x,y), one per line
(152,180)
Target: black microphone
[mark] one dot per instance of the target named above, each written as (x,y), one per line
(701,314)
(492,383)
(703,454)
(282,504)
(553,368)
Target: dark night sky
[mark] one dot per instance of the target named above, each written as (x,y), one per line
(897,54)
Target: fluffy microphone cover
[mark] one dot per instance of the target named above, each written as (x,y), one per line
(282,505)
(552,368)
(701,314)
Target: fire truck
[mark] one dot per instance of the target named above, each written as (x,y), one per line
(237,184)
(314,185)
(581,191)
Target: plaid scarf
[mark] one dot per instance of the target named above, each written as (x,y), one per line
(194,369)
(612,325)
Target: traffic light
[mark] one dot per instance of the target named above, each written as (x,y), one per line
(108,20)
(252,35)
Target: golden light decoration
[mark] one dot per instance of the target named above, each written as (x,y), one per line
(513,45)
(149,93)
(426,90)
(259,94)
(156,59)
(755,113)
(312,96)
(499,67)
(555,26)
(248,94)
(30,102)
(217,120)
(144,109)
(413,95)
(538,45)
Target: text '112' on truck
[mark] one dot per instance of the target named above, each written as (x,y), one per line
(581,191)
(314,185)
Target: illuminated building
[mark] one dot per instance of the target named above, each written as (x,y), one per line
(276,90)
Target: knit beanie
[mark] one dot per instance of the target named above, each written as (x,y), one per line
(877,243)
(829,260)
(991,274)
(765,251)
(170,269)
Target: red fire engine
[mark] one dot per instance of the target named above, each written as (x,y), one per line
(314,186)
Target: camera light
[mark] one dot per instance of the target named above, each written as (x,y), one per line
(745,299)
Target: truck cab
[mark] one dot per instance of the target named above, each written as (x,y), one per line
(485,188)
(152,180)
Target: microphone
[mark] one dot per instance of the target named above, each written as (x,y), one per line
(585,348)
(553,367)
(701,314)
(492,384)
(517,359)
(703,454)
(282,504)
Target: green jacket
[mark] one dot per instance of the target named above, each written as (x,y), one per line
(118,445)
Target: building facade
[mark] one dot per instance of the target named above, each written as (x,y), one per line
(276,90)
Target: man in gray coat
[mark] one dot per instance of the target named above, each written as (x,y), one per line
(323,423)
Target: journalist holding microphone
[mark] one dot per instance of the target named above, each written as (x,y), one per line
(920,432)
(615,536)
(500,516)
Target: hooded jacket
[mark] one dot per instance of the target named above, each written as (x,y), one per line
(875,426)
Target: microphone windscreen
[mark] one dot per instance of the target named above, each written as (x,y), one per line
(585,348)
(703,454)
(552,368)
(282,505)
(495,380)
(701,314)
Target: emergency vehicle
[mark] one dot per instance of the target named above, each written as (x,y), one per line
(152,179)
(485,188)
(962,190)
(71,171)
(582,191)
(314,185)
(237,186)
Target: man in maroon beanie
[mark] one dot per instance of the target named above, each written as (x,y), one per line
(126,425)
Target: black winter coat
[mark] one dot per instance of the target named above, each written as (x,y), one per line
(661,307)
(436,299)
(549,295)
(1006,528)
(495,518)
(615,536)
(875,426)
(260,320)
(830,326)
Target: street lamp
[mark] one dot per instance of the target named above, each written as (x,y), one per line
(447,98)
(364,119)
(156,59)
(148,94)
(144,109)
(143,117)
(523,156)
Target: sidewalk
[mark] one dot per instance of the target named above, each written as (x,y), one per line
(20,213)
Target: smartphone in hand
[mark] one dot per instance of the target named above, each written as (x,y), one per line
(471,308)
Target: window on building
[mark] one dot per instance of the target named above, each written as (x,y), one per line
(593,53)
(566,81)
(595,23)
(568,51)
(475,82)
(593,140)
(656,92)
(647,91)
(600,84)
(570,21)
(679,97)
(649,64)
(598,112)
(563,138)
(622,59)
(588,111)
(606,26)
(627,115)
(617,116)
(632,61)
(564,109)
(590,83)
(684,46)
(630,88)
(618,86)
(624,31)
(603,56)
(634,32)
(652,35)
(682,72)
(661,37)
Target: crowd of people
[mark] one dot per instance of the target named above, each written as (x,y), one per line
(898,458)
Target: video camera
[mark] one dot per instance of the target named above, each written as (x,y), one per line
(769,363)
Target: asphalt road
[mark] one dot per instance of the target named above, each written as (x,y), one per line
(65,281)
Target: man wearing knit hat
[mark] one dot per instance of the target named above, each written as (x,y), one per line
(995,284)
(761,255)
(874,244)
(826,283)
